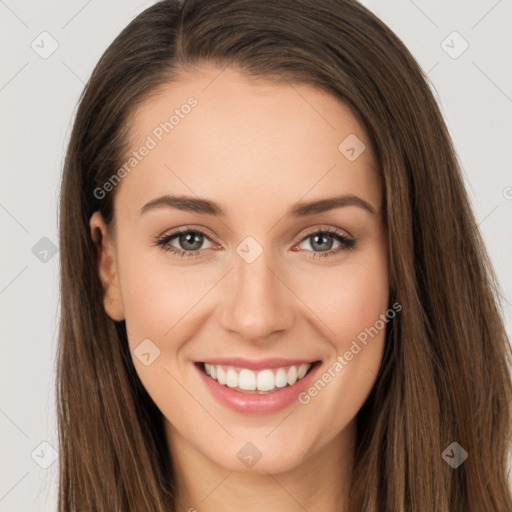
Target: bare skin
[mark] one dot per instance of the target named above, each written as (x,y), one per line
(257,148)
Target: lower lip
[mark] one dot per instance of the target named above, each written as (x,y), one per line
(267,403)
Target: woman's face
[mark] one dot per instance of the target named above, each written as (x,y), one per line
(269,278)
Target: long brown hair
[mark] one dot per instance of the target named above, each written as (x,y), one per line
(444,377)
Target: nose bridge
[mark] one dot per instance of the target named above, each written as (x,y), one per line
(259,303)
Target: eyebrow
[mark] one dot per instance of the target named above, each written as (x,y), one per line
(300,209)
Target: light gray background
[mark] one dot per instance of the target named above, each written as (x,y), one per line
(38,99)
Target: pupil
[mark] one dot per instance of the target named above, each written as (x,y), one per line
(188,238)
(323,239)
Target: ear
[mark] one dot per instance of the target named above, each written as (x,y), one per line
(112,301)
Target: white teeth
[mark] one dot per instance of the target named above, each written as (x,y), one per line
(247,380)
(303,368)
(263,380)
(292,375)
(281,380)
(231,378)
(266,380)
(221,375)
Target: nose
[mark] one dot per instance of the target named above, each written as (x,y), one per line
(259,305)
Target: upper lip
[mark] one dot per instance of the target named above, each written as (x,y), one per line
(260,364)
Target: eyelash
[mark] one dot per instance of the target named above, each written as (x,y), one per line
(347,244)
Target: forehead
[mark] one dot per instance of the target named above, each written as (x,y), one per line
(218,133)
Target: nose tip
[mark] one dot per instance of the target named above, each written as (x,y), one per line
(259,304)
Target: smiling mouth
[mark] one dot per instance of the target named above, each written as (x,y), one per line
(265,381)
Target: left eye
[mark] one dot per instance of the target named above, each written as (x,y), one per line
(321,241)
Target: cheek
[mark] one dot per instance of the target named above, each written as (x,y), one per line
(362,298)
(354,307)
(159,298)
(157,293)
(352,300)
(349,298)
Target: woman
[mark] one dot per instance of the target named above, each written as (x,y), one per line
(274,293)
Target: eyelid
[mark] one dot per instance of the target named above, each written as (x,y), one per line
(325,229)
(185,229)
